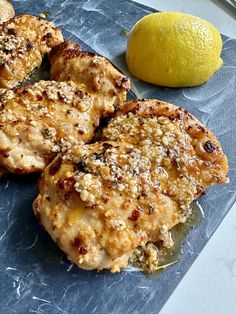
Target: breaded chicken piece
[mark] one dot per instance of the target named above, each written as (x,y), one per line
(39,120)
(89,204)
(186,146)
(93,73)
(6,11)
(101,201)
(24,41)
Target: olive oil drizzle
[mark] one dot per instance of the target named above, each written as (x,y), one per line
(180,232)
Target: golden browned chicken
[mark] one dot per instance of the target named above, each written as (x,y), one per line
(39,120)
(181,138)
(93,73)
(101,201)
(24,41)
(6,11)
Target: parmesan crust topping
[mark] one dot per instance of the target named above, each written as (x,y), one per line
(37,121)
(117,200)
(23,42)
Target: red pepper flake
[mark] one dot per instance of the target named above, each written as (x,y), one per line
(39,98)
(81,132)
(82,250)
(4,153)
(24,90)
(76,242)
(135,215)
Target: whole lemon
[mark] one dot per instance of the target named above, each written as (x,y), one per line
(174,49)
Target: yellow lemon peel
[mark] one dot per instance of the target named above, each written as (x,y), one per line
(174,49)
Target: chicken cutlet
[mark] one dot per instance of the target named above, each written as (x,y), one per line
(91,205)
(102,201)
(93,73)
(24,40)
(6,11)
(38,121)
(187,148)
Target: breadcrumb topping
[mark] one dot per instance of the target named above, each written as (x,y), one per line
(127,171)
(147,258)
(133,187)
(35,118)
(12,46)
(23,42)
